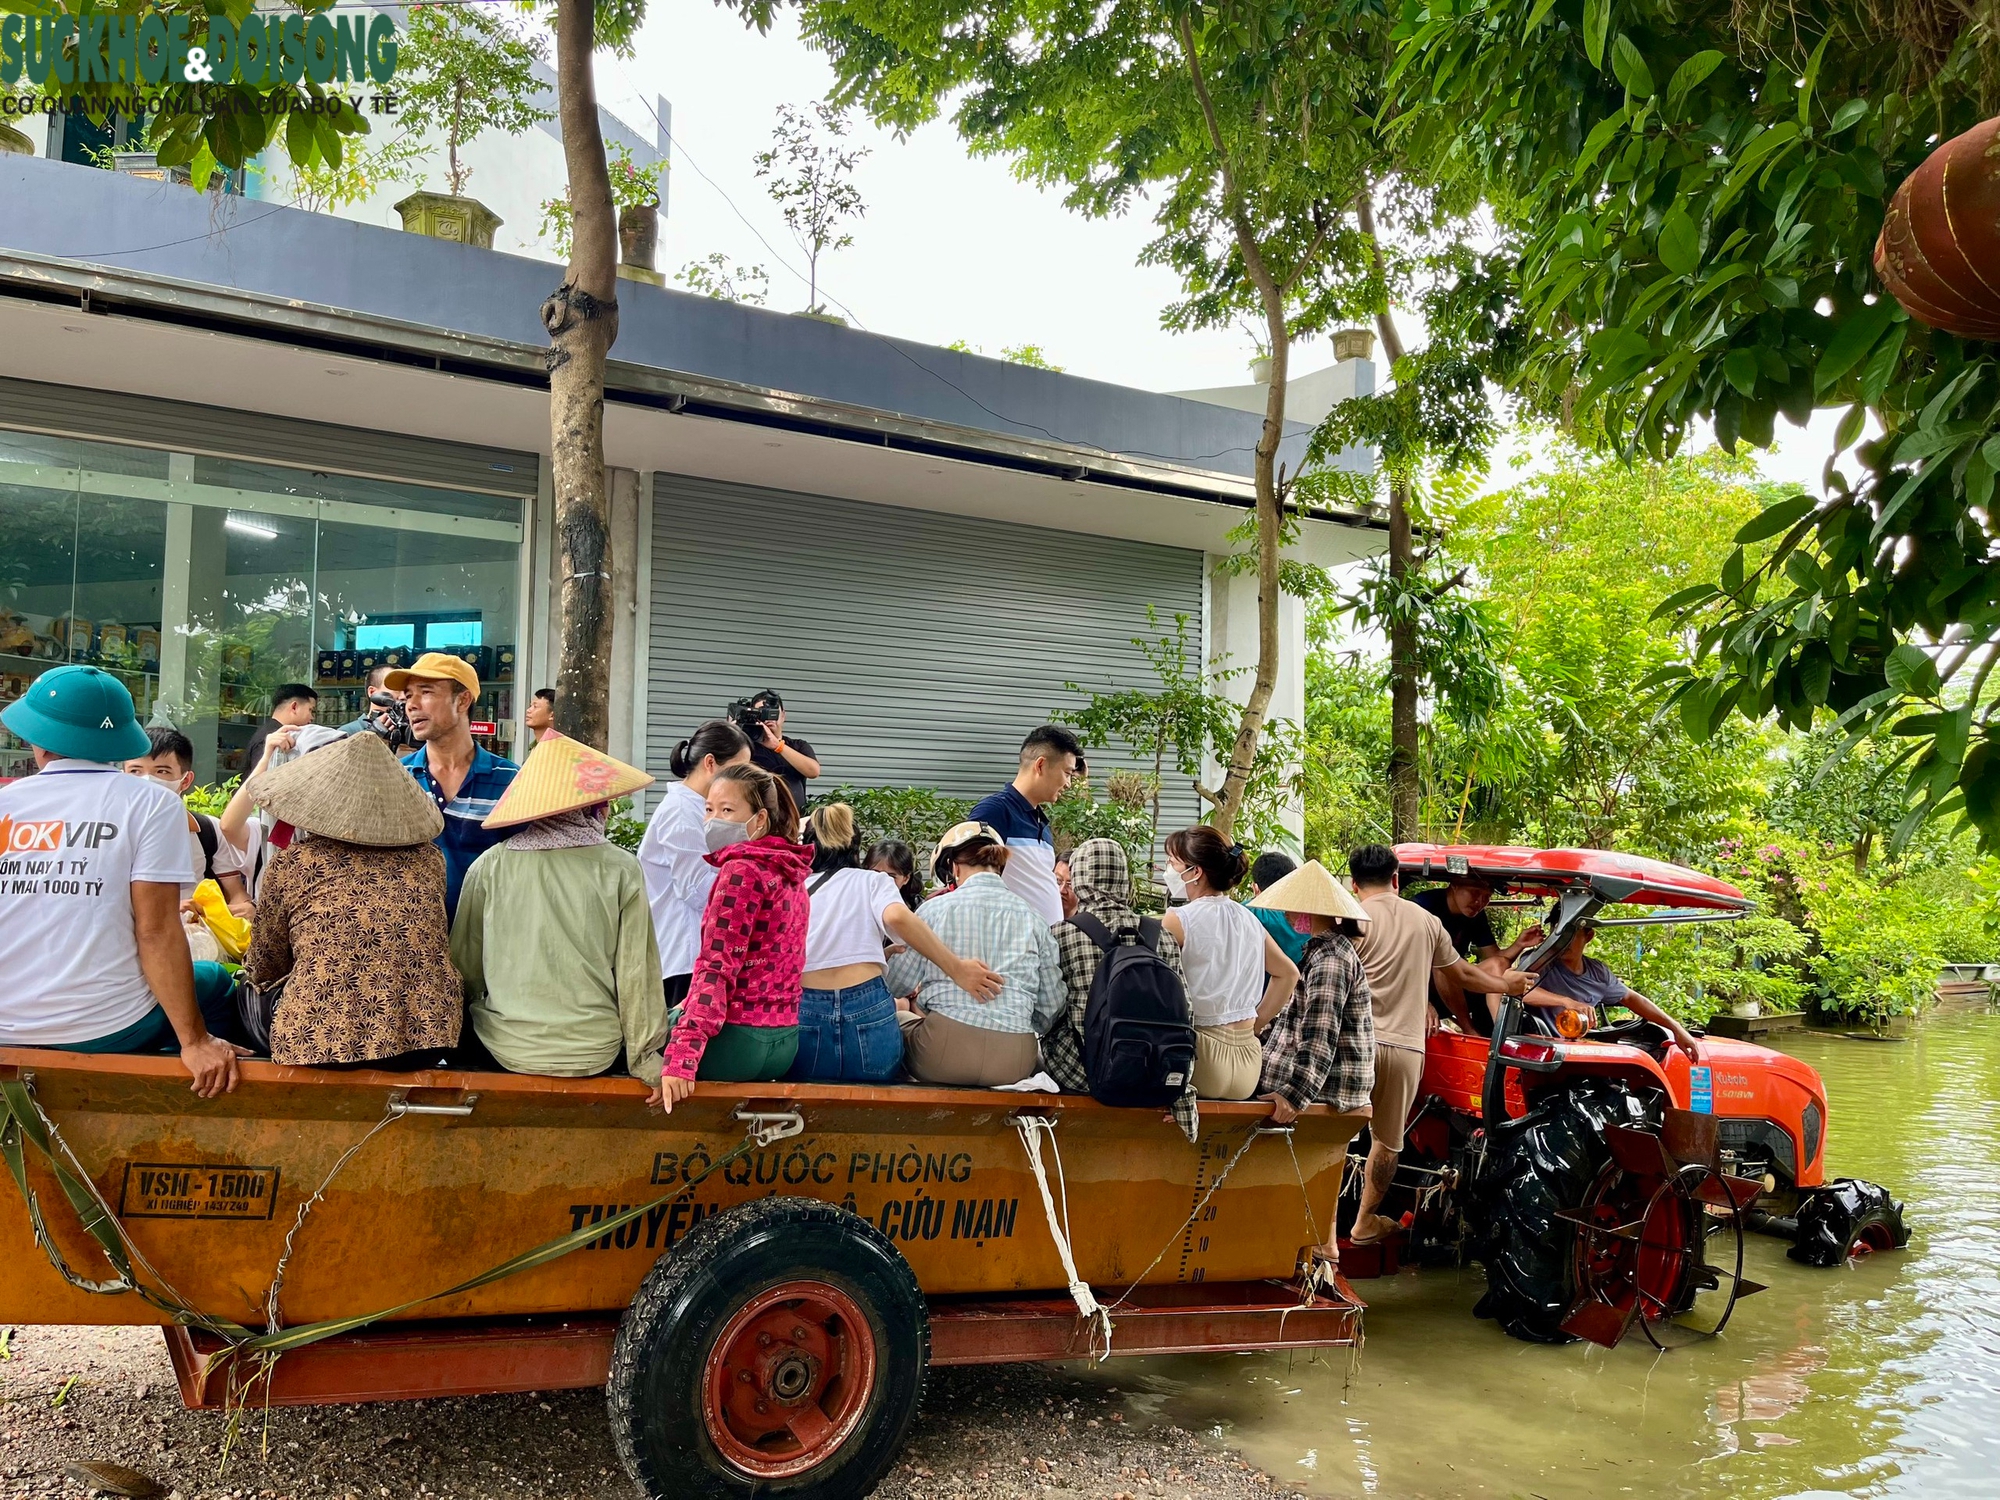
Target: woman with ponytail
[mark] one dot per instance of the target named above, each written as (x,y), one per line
(848,1032)
(740,1022)
(1238,978)
(673,854)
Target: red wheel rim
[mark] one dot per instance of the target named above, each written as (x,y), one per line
(788,1379)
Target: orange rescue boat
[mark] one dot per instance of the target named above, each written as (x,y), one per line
(761,1279)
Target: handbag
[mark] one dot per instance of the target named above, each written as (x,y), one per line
(256,1004)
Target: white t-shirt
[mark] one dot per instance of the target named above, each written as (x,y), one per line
(229,860)
(1223,958)
(846,925)
(72,841)
(674,857)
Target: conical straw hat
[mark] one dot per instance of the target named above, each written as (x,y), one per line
(356,791)
(562,775)
(1310,888)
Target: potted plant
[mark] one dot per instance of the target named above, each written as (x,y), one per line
(636,191)
(14,142)
(462,70)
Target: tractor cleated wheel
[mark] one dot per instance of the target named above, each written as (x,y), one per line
(779,1350)
(1845,1219)
(1547,1161)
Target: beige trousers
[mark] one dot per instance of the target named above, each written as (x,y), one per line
(1227,1062)
(937,1049)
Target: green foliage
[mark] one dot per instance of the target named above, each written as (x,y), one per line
(716,275)
(463,70)
(809,171)
(1344,780)
(1031,355)
(212,800)
(918,815)
(623,828)
(1701,249)
(211,127)
(632,186)
(1185,723)
(362,171)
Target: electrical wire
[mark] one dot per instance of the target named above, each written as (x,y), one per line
(681,150)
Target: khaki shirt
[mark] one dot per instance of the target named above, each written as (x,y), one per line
(1400,945)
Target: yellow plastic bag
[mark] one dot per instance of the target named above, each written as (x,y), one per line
(231,932)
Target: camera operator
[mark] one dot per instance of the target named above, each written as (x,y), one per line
(383,715)
(792,761)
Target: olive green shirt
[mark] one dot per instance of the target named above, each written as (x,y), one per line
(560,963)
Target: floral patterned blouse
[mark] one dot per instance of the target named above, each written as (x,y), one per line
(362,933)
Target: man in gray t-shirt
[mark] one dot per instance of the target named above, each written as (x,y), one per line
(1574,981)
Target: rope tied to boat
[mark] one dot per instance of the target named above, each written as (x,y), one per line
(1032,1129)
(23,1122)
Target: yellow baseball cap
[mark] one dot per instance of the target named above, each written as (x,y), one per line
(438,667)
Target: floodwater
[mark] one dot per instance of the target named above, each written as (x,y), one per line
(1878,1378)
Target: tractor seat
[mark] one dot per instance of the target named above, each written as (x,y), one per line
(1648,1037)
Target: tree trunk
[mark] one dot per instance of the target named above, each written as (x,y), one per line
(1404,786)
(1250,728)
(582,320)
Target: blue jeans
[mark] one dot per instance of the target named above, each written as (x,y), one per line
(848,1036)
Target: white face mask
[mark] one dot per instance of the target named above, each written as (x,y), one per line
(720,833)
(1177,886)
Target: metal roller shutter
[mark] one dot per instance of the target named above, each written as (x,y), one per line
(155,422)
(911,649)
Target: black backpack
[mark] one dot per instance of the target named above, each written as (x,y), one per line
(211,840)
(1138,1032)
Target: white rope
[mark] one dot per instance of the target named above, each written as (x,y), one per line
(1032,1128)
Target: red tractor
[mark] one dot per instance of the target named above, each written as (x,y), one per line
(1591,1173)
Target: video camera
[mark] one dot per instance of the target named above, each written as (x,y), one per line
(750,714)
(388,718)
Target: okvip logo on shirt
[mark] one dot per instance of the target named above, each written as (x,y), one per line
(74,839)
(50,856)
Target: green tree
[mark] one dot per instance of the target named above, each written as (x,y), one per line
(1691,194)
(212,126)
(463,70)
(1182,721)
(716,275)
(1247,126)
(323,186)
(809,171)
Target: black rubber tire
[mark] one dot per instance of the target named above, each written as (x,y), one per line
(1544,1162)
(657,1361)
(1846,1212)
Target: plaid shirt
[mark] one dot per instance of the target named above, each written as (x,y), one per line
(1062,1048)
(1321,1048)
(982,919)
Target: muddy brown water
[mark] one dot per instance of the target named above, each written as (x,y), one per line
(1879,1378)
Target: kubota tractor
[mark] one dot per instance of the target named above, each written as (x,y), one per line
(1591,1175)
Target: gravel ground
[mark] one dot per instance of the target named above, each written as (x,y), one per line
(70,1394)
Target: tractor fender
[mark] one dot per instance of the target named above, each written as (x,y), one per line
(1632,1066)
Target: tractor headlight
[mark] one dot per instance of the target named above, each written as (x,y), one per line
(1811,1122)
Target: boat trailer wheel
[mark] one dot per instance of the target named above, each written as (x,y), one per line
(788,1379)
(778,1350)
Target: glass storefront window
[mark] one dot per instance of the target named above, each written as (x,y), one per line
(207,583)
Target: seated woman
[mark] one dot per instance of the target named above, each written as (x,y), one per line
(898,861)
(1101,877)
(951,1035)
(351,914)
(553,934)
(740,1023)
(847,1018)
(1320,1048)
(1238,977)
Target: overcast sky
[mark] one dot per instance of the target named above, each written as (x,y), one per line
(952,247)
